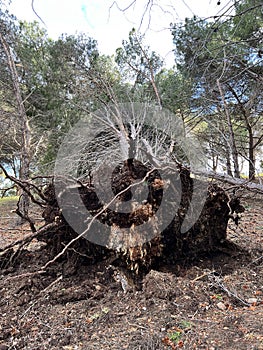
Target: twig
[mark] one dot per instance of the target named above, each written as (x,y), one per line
(6,189)
(51,285)
(25,216)
(256,260)
(15,229)
(137,325)
(229,293)
(33,8)
(28,274)
(202,276)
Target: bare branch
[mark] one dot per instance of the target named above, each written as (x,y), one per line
(239,183)
(33,8)
(25,185)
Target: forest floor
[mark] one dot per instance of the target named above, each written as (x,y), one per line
(215,302)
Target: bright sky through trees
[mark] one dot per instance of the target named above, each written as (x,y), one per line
(104,21)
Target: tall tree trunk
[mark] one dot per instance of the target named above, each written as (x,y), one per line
(228,165)
(215,162)
(251,155)
(251,142)
(24,127)
(231,133)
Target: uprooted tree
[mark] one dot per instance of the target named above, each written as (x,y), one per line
(123,191)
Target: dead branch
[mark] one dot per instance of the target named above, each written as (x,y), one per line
(33,8)
(25,185)
(238,183)
(4,190)
(217,282)
(25,216)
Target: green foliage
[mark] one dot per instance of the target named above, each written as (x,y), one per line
(186,324)
(137,62)
(62,80)
(175,90)
(225,52)
(248,21)
(55,77)
(209,50)
(175,337)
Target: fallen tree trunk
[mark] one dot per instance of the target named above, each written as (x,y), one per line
(249,185)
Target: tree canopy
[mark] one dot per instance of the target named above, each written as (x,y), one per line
(215,87)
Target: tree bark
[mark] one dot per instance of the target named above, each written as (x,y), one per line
(251,142)
(251,155)
(228,164)
(24,125)
(251,186)
(231,133)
